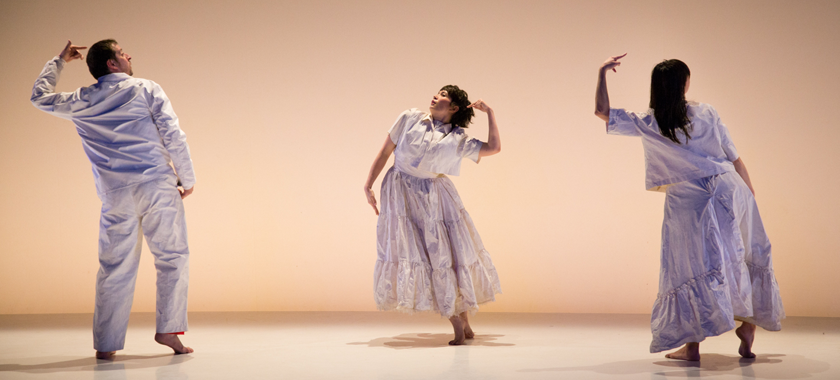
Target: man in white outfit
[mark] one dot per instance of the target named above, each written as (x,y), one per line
(131,136)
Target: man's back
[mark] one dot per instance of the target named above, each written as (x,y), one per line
(128,128)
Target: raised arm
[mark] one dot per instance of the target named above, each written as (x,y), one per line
(43,91)
(742,171)
(602,98)
(494,142)
(378,163)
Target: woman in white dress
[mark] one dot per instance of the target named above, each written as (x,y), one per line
(429,254)
(716,265)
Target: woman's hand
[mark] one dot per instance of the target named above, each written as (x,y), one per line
(371,198)
(494,142)
(378,163)
(612,62)
(480,105)
(71,52)
(602,97)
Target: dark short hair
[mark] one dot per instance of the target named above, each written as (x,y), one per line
(459,97)
(98,56)
(667,98)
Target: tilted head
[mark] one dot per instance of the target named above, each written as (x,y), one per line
(453,101)
(668,85)
(106,57)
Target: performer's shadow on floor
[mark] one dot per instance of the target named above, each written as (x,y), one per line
(769,366)
(120,362)
(427,340)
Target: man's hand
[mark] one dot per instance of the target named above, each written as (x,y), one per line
(185,192)
(71,52)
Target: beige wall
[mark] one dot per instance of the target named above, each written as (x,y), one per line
(286,103)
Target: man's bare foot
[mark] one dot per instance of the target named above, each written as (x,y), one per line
(458,326)
(172,341)
(468,333)
(746,333)
(689,352)
(108,355)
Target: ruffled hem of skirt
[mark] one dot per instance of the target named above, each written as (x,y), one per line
(418,293)
(691,312)
(768,310)
(702,308)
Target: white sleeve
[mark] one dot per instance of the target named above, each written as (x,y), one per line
(43,91)
(173,138)
(624,123)
(469,148)
(400,125)
(726,140)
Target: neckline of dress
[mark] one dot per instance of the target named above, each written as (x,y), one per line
(439,125)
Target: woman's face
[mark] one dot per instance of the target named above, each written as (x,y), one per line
(441,103)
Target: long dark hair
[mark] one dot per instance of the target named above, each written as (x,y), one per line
(459,97)
(667,98)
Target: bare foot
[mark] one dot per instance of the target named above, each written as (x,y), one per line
(468,333)
(108,355)
(689,352)
(746,333)
(458,326)
(172,341)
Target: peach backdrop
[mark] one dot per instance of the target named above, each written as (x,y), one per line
(286,103)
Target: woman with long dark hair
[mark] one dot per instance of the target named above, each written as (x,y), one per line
(716,265)
(430,257)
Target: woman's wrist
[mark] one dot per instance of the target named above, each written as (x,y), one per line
(603,70)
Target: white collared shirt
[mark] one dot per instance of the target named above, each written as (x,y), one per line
(427,148)
(129,130)
(710,150)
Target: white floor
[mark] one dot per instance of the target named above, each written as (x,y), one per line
(345,345)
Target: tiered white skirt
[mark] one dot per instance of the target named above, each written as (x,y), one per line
(430,257)
(716,265)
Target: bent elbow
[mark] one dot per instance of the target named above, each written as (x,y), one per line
(37,102)
(602,116)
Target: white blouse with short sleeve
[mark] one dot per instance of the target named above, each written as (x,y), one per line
(709,151)
(427,148)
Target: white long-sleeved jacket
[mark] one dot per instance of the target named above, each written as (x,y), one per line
(128,128)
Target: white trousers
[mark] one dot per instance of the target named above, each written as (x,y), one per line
(156,209)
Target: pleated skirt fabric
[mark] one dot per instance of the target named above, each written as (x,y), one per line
(716,264)
(429,254)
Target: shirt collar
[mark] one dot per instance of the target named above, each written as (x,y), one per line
(438,125)
(114,77)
